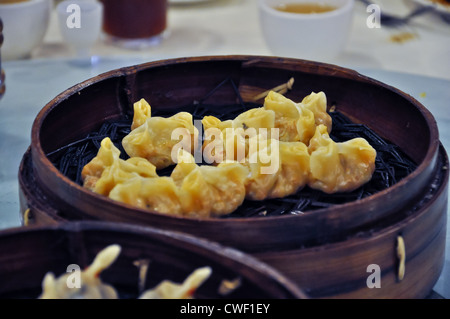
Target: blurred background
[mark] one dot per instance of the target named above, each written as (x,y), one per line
(210,27)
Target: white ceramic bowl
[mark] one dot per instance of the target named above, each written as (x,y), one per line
(24,27)
(318,37)
(82,37)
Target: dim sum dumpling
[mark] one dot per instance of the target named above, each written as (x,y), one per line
(157,137)
(106,156)
(294,124)
(317,103)
(107,169)
(142,112)
(159,194)
(298,121)
(227,140)
(210,122)
(210,190)
(191,190)
(90,285)
(185,290)
(277,169)
(256,118)
(339,167)
(231,144)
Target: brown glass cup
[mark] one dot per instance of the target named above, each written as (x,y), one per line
(135,24)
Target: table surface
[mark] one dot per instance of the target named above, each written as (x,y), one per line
(420,67)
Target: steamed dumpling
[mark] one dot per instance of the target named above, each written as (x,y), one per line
(107,169)
(228,140)
(277,169)
(190,191)
(317,104)
(90,285)
(255,118)
(295,124)
(210,190)
(142,112)
(298,121)
(157,138)
(185,290)
(159,194)
(106,156)
(339,167)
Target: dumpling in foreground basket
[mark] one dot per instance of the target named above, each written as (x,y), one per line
(339,167)
(90,286)
(154,138)
(170,290)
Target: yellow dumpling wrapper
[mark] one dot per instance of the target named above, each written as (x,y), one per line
(226,140)
(106,156)
(170,290)
(339,167)
(142,112)
(90,285)
(317,103)
(287,114)
(210,190)
(191,190)
(210,122)
(215,142)
(107,169)
(298,121)
(277,169)
(231,144)
(159,194)
(256,118)
(158,138)
(214,191)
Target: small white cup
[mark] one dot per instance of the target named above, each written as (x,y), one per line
(80,23)
(24,27)
(317,37)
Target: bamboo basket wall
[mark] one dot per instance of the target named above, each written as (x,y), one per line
(26,255)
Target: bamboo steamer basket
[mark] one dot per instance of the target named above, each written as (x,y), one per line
(167,255)
(327,251)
